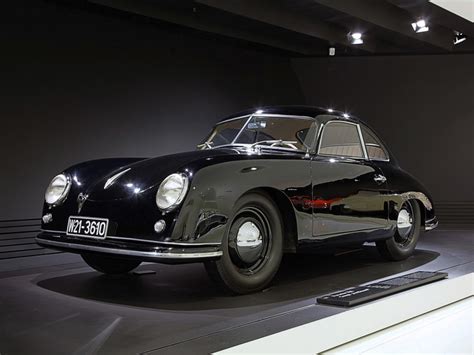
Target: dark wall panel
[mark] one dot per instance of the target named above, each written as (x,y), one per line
(79,85)
(422,106)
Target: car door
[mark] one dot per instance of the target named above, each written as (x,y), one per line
(347,187)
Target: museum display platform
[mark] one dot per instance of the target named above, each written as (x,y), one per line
(55,304)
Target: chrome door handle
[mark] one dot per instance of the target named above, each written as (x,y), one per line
(380,179)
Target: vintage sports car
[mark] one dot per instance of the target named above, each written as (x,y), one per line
(263,183)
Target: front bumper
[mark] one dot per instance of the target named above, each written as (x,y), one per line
(155,252)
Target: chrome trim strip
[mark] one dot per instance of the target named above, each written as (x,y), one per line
(284,116)
(362,141)
(418,196)
(142,240)
(137,253)
(241,129)
(380,143)
(52,231)
(166,243)
(110,181)
(431,224)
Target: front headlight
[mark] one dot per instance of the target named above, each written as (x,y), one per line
(172,191)
(57,190)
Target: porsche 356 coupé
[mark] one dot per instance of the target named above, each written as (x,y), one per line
(262,183)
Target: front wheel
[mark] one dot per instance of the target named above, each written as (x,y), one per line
(407,232)
(108,265)
(253,247)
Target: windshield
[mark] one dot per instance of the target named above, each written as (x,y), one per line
(296,133)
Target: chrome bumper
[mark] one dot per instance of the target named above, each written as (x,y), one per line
(155,253)
(431,224)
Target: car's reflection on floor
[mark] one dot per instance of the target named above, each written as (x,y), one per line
(188,288)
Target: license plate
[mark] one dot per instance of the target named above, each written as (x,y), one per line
(87,227)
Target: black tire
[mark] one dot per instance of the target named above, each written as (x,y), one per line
(245,269)
(109,265)
(402,245)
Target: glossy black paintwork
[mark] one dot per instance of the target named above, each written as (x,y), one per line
(322,199)
(345,197)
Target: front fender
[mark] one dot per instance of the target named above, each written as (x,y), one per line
(215,189)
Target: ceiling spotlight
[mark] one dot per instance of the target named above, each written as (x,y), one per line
(459,37)
(420,26)
(330,110)
(258,112)
(346,115)
(356,38)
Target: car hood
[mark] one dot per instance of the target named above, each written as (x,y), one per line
(140,177)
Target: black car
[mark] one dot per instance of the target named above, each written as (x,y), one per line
(263,183)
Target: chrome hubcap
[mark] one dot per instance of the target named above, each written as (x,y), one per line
(249,242)
(404,223)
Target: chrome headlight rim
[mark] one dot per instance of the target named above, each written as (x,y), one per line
(64,193)
(184,189)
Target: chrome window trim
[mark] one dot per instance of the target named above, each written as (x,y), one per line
(362,142)
(231,119)
(241,129)
(378,159)
(157,242)
(381,145)
(137,253)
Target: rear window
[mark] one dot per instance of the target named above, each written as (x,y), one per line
(374,147)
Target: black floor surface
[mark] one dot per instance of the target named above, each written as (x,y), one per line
(55,304)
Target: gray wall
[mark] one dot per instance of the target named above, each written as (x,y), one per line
(422,106)
(78,85)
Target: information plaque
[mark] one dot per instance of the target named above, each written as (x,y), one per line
(360,294)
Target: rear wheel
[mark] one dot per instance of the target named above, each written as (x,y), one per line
(108,265)
(407,232)
(253,247)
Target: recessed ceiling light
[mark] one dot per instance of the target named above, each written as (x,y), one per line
(459,37)
(258,112)
(330,110)
(346,115)
(420,26)
(356,38)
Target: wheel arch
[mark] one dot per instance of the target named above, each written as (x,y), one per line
(422,211)
(287,213)
(426,209)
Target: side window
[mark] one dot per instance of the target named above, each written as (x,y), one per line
(374,147)
(341,139)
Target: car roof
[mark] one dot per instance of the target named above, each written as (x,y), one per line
(296,110)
